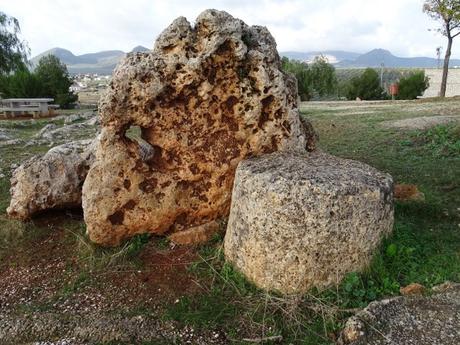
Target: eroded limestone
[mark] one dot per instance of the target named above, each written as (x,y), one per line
(205,98)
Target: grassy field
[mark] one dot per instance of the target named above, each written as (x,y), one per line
(425,245)
(205,293)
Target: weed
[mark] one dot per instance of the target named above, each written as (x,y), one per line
(81,280)
(97,258)
(14,233)
(442,140)
(234,304)
(11,231)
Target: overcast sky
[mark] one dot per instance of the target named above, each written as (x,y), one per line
(84,26)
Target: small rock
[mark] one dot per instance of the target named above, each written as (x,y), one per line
(5,135)
(44,132)
(354,329)
(72,118)
(93,121)
(51,181)
(446,286)
(408,192)
(416,319)
(11,142)
(412,289)
(196,234)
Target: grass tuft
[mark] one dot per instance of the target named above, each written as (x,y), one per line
(95,257)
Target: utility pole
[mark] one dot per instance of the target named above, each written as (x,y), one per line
(381,74)
(438,54)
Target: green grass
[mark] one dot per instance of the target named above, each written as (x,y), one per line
(442,140)
(424,247)
(235,305)
(96,258)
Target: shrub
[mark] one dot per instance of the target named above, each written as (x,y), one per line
(412,86)
(366,86)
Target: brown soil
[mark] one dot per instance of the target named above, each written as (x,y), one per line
(47,270)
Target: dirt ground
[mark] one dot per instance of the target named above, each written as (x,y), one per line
(58,288)
(46,278)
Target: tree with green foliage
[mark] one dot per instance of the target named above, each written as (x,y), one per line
(55,80)
(318,78)
(366,86)
(448,13)
(413,85)
(21,84)
(323,76)
(13,51)
(301,73)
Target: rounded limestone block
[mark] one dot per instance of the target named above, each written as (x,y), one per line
(299,221)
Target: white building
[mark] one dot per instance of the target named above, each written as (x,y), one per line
(435,75)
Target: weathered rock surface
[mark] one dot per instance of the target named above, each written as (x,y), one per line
(303,221)
(409,320)
(93,121)
(196,234)
(11,142)
(205,98)
(53,133)
(44,132)
(5,135)
(51,181)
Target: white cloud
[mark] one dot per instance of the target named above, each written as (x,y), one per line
(354,25)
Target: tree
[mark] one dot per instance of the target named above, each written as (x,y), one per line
(301,73)
(317,78)
(366,86)
(55,80)
(448,13)
(413,85)
(21,84)
(13,51)
(323,76)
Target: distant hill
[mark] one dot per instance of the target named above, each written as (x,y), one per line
(333,56)
(105,61)
(101,62)
(374,58)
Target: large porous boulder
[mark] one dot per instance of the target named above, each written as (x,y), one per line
(408,320)
(303,221)
(51,181)
(206,97)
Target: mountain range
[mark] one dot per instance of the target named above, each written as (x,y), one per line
(374,58)
(101,62)
(105,61)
